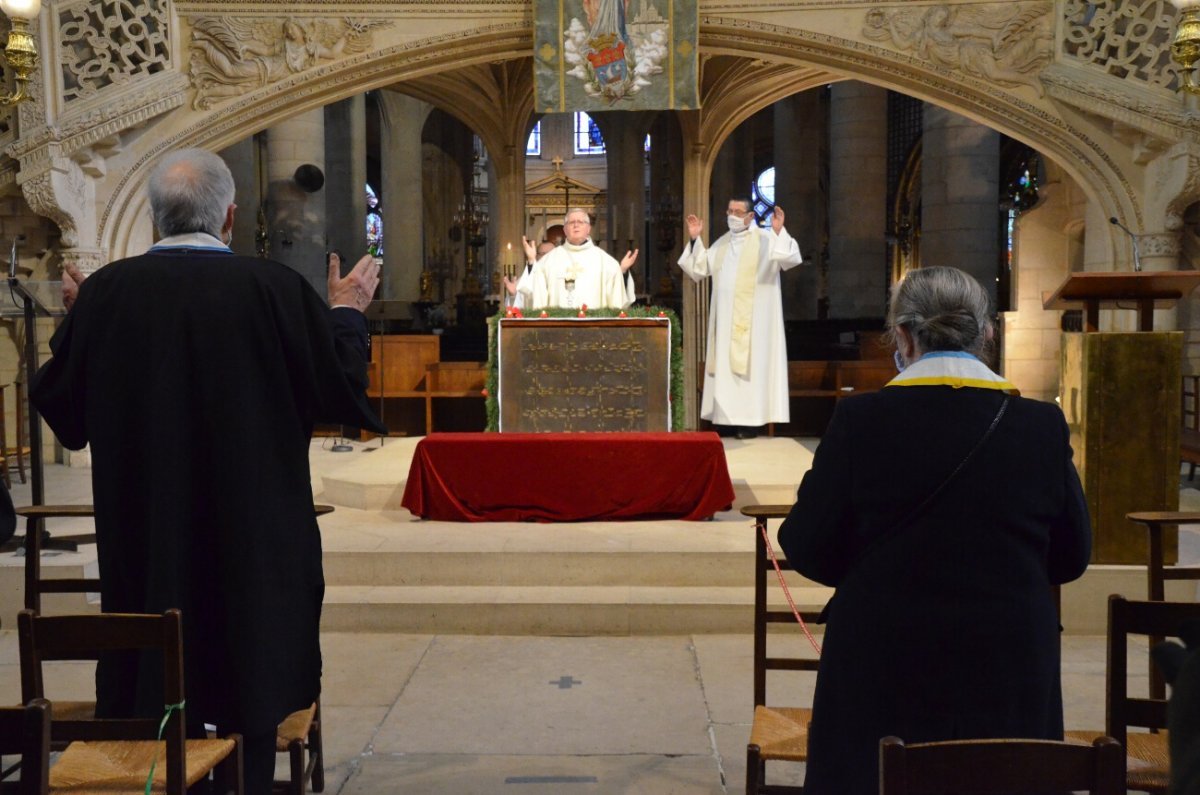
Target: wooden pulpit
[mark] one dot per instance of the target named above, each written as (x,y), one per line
(587,374)
(1120,392)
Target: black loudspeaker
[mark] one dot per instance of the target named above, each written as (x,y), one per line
(310,178)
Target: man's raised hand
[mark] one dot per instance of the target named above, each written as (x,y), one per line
(358,286)
(530,249)
(694,226)
(628,260)
(72,279)
(777,219)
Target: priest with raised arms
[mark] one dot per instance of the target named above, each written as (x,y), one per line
(578,273)
(745,378)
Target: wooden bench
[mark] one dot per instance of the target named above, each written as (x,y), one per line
(834,380)
(411,369)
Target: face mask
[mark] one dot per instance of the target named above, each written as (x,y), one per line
(735,224)
(899,360)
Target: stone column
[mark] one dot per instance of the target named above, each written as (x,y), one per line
(624,140)
(858,268)
(696,178)
(960,214)
(402,118)
(242,159)
(732,174)
(297,218)
(801,137)
(346,176)
(666,234)
(1042,254)
(506,200)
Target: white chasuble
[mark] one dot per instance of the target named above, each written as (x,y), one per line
(745,372)
(572,276)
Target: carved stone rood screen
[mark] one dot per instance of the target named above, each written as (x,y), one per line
(602,374)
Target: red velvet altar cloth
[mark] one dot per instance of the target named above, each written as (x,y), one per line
(567,477)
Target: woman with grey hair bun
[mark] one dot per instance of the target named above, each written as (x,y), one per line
(941,509)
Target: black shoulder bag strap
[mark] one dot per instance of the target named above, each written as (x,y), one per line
(933,495)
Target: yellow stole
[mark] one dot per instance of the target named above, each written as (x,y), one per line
(743,303)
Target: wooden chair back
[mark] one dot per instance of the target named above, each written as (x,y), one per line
(1158,525)
(35,525)
(1125,618)
(763,616)
(1000,767)
(46,638)
(777,733)
(25,732)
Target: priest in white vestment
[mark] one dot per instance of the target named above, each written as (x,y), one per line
(745,378)
(578,273)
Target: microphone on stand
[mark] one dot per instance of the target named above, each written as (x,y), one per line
(1137,254)
(12,257)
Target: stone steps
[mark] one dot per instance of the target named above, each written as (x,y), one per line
(551,610)
(533,568)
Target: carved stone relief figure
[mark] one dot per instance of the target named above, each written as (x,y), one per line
(232,56)
(1008,43)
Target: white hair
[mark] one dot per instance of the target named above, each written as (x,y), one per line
(944,309)
(190,191)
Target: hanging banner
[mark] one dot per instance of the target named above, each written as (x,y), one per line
(595,55)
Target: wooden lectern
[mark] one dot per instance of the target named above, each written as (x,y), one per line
(1120,392)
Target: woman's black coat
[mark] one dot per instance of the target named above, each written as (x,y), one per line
(944,628)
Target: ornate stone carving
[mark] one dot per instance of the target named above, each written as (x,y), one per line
(231,56)
(67,196)
(1172,184)
(1128,39)
(1164,244)
(1006,43)
(88,260)
(111,43)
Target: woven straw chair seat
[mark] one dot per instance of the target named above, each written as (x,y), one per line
(121,766)
(294,727)
(1148,762)
(781,733)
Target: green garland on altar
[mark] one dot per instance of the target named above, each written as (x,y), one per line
(677,407)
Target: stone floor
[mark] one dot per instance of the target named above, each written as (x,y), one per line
(460,713)
(488,714)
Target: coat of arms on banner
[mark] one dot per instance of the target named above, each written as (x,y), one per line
(597,55)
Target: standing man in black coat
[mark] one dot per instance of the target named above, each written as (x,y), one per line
(196,376)
(942,509)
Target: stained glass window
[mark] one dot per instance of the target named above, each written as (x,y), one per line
(762,192)
(533,146)
(588,140)
(374,223)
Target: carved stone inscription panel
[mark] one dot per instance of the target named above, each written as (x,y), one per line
(584,375)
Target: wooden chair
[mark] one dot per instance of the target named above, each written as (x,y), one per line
(25,731)
(778,733)
(299,732)
(1189,433)
(118,755)
(999,767)
(1148,764)
(19,452)
(1157,523)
